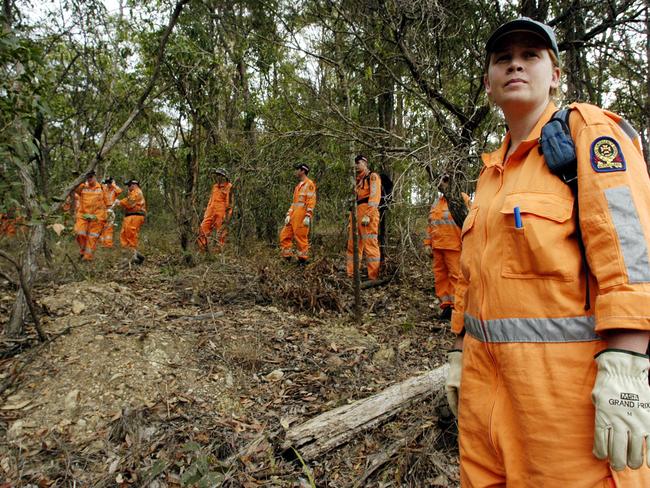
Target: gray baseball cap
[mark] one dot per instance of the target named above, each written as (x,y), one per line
(523,24)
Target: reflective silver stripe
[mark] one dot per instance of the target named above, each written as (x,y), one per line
(563,329)
(368,236)
(298,204)
(373,260)
(372,204)
(89,190)
(630,233)
(93,234)
(447,298)
(310,194)
(82,233)
(628,129)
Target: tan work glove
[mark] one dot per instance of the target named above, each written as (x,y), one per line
(306,221)
(452,385)
(621,396)
(365,220)
(111,216)
(287,219)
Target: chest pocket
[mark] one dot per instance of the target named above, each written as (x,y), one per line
(545,246)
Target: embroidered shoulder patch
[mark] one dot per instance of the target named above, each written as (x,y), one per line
(606,155)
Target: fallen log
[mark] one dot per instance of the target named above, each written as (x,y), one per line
(335,427)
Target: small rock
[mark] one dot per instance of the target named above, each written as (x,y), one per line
(77,307)
(275,375)
(15,430)
(440,481)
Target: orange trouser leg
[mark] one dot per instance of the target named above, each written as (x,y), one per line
(130,234)
(369,235)
(106,239)
(204,231)
(300,235)
(81,228)
(286,240)
(446,266)
(526,416)
(88,236)
(349,254)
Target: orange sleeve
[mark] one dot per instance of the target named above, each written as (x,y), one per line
(375,190)
(614,210)
(458,314)
(310,198)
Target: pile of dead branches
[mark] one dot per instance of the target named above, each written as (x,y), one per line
(315,287)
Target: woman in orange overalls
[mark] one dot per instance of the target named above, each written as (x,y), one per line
(549,360)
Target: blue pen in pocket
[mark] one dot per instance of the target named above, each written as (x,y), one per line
(518,224)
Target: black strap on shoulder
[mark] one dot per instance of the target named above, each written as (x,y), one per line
(558,148)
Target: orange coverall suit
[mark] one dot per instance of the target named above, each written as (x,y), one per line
(7,225)
(219,208)
(444,240)
(112,191)
(368,197)
(528,354)
(135,209)
(304,202)
(91,217)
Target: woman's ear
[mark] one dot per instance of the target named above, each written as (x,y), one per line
(555,78)
(486,84)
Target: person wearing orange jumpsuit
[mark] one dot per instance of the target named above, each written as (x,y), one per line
(113,191)
(8,223)
(368,194)
(443,245)
(299,217)
(91,215)
(549,372)
(218,212)
(135,210)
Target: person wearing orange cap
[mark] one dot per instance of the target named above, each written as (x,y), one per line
(549,373)
(443,246)
(299,217)
(368,194)
(218,212)
(135,210)
(91,215)
(113,191)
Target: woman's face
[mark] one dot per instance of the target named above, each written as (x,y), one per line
(521,73)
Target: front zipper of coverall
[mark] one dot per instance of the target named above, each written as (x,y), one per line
(481,309)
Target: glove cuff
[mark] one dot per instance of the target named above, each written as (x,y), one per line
(623,351)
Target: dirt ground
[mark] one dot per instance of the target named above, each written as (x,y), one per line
(164,375)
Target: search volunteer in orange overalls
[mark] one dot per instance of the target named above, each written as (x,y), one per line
(443,246)
(218,211)
(552,370)
(135,210)
(298,220)
(112,191)
(368,194)
(91,215)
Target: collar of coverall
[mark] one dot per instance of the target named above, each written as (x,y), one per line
(496,158)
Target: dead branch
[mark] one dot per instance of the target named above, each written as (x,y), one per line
(336,427)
